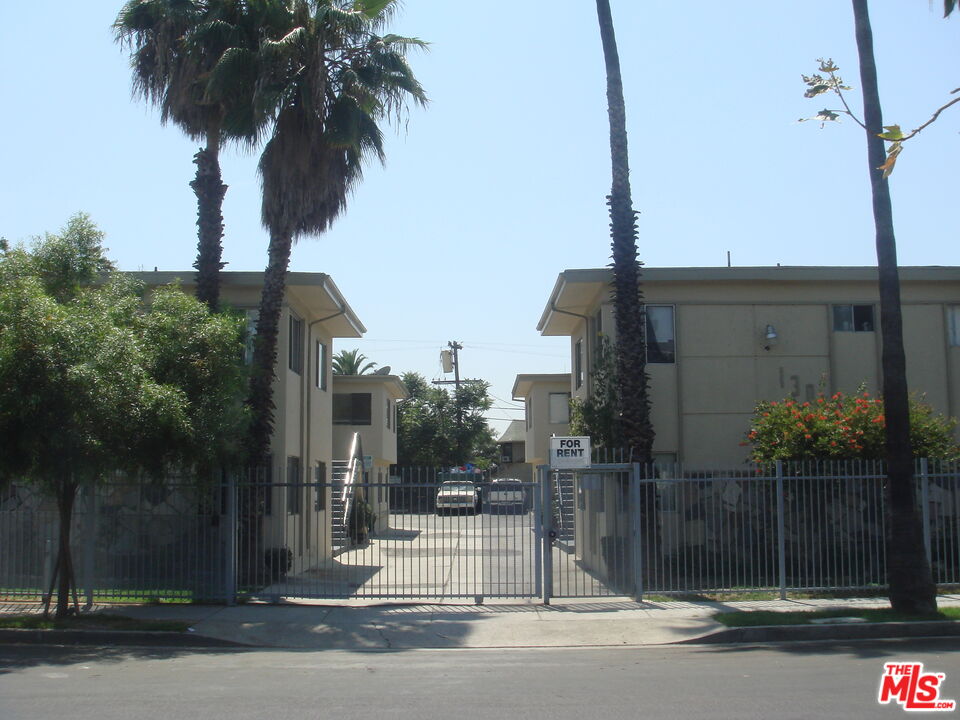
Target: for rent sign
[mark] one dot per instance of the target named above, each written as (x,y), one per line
(569,452)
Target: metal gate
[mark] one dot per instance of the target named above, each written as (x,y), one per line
(390,537)
(591,532)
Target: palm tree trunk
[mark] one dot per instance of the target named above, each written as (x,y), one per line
(209,188)
(635,428)
(911,586)
(260,400)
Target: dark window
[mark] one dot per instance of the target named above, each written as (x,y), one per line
(351,409)
(388,413)
(853,318)
(578,363)
(321,365)
(296,344)
(506,452)
(294,485)
(660,334)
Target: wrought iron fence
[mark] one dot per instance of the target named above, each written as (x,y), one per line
(786,527)
(129,542)
(617,530)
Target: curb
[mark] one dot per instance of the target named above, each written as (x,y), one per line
(123,638)
(860,631)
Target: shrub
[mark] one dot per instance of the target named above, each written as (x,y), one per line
(842,427)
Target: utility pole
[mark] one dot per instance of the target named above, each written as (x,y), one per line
(455,362)
(454,357)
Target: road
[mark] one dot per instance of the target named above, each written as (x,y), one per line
(789,681)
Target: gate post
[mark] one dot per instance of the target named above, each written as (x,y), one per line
(781,534)
(547,531)
(537,492)
(230,548)
(636,532)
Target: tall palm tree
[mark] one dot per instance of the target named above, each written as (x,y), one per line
(328,82)
(911,586)
(176,46)
(351,362)
(635,428)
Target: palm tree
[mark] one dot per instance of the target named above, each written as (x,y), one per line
(911,586)
(328,82)
(635,428)
(351,362)
(177,48)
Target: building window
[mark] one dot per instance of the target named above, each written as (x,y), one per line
(295,344)
(853,318)
(388,413)
(294,485)
(559,408)
(321,365)
(598,323)
(660,334)
(351,409)
(506,453)
(320,489)
(578,363)
(528,411)
(953,320)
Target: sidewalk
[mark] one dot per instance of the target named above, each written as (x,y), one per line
(585,623)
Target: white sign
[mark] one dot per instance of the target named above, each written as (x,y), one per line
(368,462)
(569,452)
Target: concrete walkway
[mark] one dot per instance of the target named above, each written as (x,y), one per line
(407,626)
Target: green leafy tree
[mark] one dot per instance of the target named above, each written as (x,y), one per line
(351,362)
(633,402)
(194,60)
(596,416)
(843,427)
(437,428)
(92,382)
(328,82)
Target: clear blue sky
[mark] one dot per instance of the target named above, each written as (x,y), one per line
(499,184)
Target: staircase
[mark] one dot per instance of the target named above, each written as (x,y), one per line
(564,511)
(339,539)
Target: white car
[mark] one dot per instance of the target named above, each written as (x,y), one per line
(457,496)
(507,493)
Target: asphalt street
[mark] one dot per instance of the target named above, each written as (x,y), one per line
(796,680)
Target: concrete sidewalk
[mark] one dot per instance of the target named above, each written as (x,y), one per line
(588,623)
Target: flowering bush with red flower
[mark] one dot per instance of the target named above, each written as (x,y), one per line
(842,427)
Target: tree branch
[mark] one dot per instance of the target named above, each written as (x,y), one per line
(935,115)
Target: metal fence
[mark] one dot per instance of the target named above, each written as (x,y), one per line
(614,529)
(399,538)
(129,542)
(626,530)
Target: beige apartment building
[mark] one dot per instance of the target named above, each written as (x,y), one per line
(546,404)
(367,405)
(313,315)
(721,339)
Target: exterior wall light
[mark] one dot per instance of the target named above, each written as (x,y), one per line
(770,337)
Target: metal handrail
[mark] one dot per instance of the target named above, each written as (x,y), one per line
(353,477)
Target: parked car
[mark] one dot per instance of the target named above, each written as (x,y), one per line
(458,496)
(507,493)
